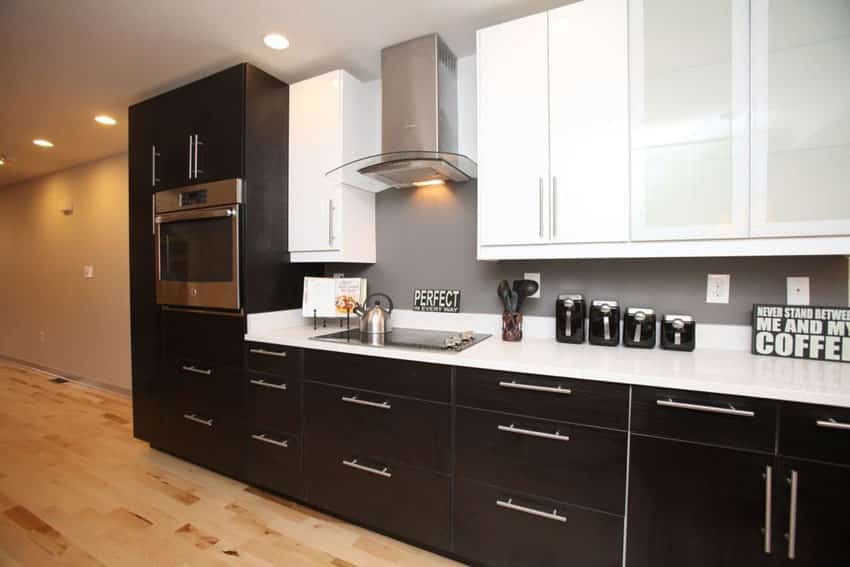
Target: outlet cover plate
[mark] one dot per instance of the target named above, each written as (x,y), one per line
(534,276)
(717,288)
(797,290)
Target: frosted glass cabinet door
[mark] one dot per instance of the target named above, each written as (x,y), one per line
(689,69)
(801,117)
(589,121)
(513,132)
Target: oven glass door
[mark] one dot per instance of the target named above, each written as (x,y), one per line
(198,258)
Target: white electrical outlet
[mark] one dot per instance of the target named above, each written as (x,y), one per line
(797,291)
(88,272)
(536,278)
(717,288)
(42,336)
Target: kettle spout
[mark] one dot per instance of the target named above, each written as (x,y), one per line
(358,310)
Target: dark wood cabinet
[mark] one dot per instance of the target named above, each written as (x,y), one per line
(272,460)
(501,528)
(697,505)
(813,524)
(820,433)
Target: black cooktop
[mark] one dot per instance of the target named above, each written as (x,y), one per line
(417,339)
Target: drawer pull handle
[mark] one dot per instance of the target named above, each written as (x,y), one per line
(731,410)
(356,400)
(196,419)
(281,354)
(832,424)
(768,507)
(384,472)
(264,384)
(793,480)
(532,387)
(262,437)
(196,370)
(553,515)
(531,433)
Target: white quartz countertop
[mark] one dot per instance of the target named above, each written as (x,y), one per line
(717,371)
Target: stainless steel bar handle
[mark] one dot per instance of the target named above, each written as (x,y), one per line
(281,354)
(677,338)
(190,156)
(541,207)
(384,472)
(531,433)
(768,508)
(549,389)
(637,333)
(669,403)
(197,143)
(553,208)
(264,384)
(331,236)
(356,400)
(833,424)
(196,419)
(154,155)
(153,214)
(262,437)
(793,480)
(606,325)
(553,515)
(196,370)
(568,327)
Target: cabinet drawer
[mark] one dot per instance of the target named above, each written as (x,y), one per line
(498,528)
(580,465)
(406,502)
(203,438)
(577,401)
(815,432)
(208,337)
(272,460)
(185,382)
(746,423)
(402,377)
(398,430)
(272,401)
(273,359)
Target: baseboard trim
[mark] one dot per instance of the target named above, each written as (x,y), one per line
(54,373)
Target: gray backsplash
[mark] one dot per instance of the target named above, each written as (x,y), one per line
(426,238)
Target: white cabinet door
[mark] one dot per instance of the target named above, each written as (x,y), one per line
(315,147)
(689,68)
(801,117)
(513,132)
(589,121)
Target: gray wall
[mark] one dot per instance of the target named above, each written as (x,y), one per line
(426,238)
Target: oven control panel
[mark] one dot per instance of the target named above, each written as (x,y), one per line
(193,198)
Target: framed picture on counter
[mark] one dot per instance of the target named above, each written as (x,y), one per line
(802,331)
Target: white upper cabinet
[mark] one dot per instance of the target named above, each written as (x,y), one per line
(801,117)
(513,132)
(689,119)
(589,121)
(333,119)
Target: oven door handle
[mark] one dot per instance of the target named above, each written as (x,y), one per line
(196,214)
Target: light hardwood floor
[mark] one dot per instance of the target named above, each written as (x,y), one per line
(77,489)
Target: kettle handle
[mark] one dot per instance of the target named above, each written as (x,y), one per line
(389,299)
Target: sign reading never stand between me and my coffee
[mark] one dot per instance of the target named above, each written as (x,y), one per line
(437,300)
(801,331)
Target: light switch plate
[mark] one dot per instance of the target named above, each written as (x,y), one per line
(534,277)
(797,291)
(88,272)
(717,288)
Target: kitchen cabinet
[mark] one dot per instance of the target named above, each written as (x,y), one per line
(689,119)
(698,505)
(333,119)
(801,134)
(553,141)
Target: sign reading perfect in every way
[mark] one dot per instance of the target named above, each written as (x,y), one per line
(793,331)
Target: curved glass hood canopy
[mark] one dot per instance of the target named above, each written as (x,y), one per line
(418,122)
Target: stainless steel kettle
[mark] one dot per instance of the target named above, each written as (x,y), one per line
(375,319)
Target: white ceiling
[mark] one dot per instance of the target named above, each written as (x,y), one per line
(62,62)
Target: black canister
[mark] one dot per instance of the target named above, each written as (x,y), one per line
(569,318)
(604,325)
(678,332)
(639,327)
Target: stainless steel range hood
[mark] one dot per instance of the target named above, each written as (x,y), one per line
(418,121)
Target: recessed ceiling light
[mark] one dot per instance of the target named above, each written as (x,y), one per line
(42,143)
(276,41)
(105,120)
